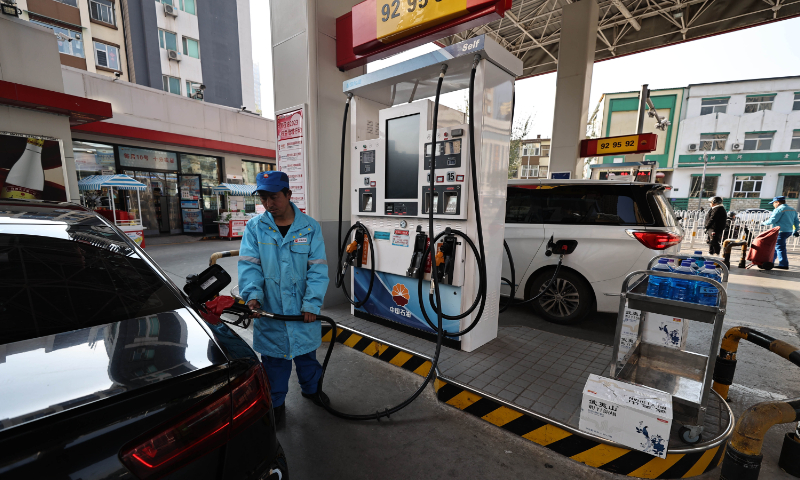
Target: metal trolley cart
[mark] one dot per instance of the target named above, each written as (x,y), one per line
(685,375)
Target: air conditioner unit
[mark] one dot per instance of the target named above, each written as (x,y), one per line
(174,55)
(170,10)
(692,147)
(736,146)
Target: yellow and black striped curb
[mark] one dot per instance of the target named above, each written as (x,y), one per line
(610,458)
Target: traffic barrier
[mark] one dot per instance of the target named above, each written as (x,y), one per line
(743,456)
(726,360)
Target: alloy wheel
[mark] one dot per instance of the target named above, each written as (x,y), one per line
(561,299)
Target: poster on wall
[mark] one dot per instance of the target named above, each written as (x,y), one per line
(292,152)
(31,167)
(192,220)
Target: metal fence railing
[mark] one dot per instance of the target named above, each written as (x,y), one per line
(746,225)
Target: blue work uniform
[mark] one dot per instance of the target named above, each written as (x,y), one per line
(286,275)
(786,218)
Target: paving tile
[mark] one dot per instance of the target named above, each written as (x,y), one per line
(541,408)
(515,388)
(507,395)
(520,382)
(508,376)
(553,394)
(550,401)
(498,383)
(465,378)
(492,389)
(524,402)
(559,388)
(478,383)
(559,415)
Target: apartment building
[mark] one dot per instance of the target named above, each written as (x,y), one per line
(534,158)
(90,33)
(748,133)
(195,48)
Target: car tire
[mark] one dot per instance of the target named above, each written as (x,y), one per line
(576,299)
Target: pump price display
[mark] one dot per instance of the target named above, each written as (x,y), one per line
(398,18)
(642,143)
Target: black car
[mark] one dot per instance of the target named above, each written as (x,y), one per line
(106,371)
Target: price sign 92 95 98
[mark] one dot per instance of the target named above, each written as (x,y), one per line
(399,18)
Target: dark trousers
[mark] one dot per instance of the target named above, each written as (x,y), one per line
(714,247)
(781,259)
(280,369)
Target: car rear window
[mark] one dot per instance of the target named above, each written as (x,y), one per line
(587,204)
(666,215)
(58,278)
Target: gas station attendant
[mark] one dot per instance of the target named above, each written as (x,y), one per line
(282,269)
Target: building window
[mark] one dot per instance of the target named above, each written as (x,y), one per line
(166,2)
(758,141)
(106,56)
(69,42)
(192,88)
(796,105)
(189,6)
(542,172)
(529,171)
(714,105)
(102,11)
(795,141)
(167,40)
(712,142)
(758,103)
(789,186)
(545,150)
(171,84)
(251,169)
(71,3)
(191,47)
(709,187)
(747,186)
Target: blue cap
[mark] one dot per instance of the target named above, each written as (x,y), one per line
(698,252)
(779,199)
(272,181)
(663,260)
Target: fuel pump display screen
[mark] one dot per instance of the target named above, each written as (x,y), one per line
(448,154)
(402,156)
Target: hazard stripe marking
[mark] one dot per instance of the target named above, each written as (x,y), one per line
(599,455)
(581,449)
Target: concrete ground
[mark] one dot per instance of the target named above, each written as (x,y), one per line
(431,440)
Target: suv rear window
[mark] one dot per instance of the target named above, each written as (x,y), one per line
(58,278)
(587,204)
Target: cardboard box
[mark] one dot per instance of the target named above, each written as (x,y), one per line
(629,333)
(632,415)
(665,331)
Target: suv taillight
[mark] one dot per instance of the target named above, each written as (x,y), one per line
(200,430)
(655,240)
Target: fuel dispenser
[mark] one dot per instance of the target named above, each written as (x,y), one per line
(392,128)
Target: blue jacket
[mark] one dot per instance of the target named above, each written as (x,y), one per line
(785,217)
(287,275)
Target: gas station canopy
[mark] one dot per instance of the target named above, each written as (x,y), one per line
(531,29)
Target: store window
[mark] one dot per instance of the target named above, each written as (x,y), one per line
(93,158)
(747,186)
(709,187)
(70,42)
(714,105)
(712,142)
(167,40)
(251,169)
(106,56)
(758,140)
(189,6)
(795,145)
(789,186)
(171,84)
(102,11)
(756,103)
(191,47)
(208,168)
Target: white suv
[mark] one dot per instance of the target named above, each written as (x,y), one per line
(619,227)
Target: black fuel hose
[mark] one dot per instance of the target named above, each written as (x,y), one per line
(480,256)
(432,373)
(339,277)
(512,282)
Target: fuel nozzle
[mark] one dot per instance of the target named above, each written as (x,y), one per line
(420,242)
(355,250)
(446,258)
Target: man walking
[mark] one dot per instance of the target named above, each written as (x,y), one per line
(785,217)
(283,269)
(715,225)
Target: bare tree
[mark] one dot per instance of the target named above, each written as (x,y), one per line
(518,133)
